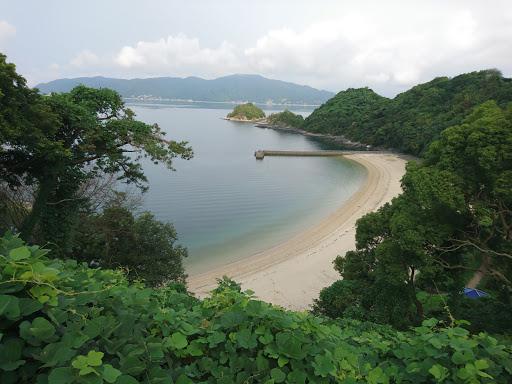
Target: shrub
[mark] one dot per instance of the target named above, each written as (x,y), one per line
(62,322)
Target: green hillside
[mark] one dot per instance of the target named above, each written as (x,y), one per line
(347,113)
(228,88)
(413,119)
(285,119)
(247,111)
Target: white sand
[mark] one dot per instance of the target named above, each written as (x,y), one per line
(293,273)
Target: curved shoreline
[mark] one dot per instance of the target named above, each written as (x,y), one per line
(292,273)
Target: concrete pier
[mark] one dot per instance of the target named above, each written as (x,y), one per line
(261,153)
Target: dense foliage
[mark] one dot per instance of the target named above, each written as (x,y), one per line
(452,226)
(62,322)
(146,248)
(247,111)
(413,119)
(286,119)
(59,154)
(346,114)
(56,143)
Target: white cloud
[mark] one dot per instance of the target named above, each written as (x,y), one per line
(85,59)
(6,30)
(357,50)
(178,55)
(388,47)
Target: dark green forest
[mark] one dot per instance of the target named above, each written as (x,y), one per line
(285,119)
(452,221)
(413,119)
(92,291)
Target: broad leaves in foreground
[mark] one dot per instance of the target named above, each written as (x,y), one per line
(63,323)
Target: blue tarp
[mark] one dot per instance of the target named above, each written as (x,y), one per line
(474,293)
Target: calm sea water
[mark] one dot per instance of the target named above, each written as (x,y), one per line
(226,205)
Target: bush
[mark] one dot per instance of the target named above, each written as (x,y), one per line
(142,245)
(62,322)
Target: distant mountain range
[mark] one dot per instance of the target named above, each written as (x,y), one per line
(253,88)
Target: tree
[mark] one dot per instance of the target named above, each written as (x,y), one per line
(479,154)
(56,143)
(413,119)
(116,238)
(452,225)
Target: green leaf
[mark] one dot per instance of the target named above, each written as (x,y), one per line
(461,357)
(94,358)
(61,376)
(11,365)
(246,339)
(85,371)
(194,349)
(110,374)
(439,372)
(216,338)
(430,323)
(267,338)
(178,340)
(282,361)
(29,306)
(79,362)
(463,373)
(262,363)
(289,345)
(323,365)
(377,376)
(19,253)
(56,354)
(156,351)
(297,377)
(9,307)
(481,364)
(87,363)
(11,354)
(42,329)
(278,375)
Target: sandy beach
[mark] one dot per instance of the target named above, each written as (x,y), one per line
(292,273)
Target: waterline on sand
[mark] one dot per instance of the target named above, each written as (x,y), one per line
(292,273)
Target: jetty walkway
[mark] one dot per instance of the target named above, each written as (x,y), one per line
(261,153)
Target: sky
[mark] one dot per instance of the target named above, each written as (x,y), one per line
(388,46)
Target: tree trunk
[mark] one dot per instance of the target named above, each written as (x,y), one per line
(44,191)
(419,307)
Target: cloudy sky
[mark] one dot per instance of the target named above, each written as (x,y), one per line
(330,44)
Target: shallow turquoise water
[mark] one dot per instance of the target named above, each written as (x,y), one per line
(226,205)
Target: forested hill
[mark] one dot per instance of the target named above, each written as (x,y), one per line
(414,118)
(229,88)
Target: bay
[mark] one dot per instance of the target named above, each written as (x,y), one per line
(224,204)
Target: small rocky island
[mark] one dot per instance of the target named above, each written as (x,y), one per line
(246,112)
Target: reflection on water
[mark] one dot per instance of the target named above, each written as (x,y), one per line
(225,204)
